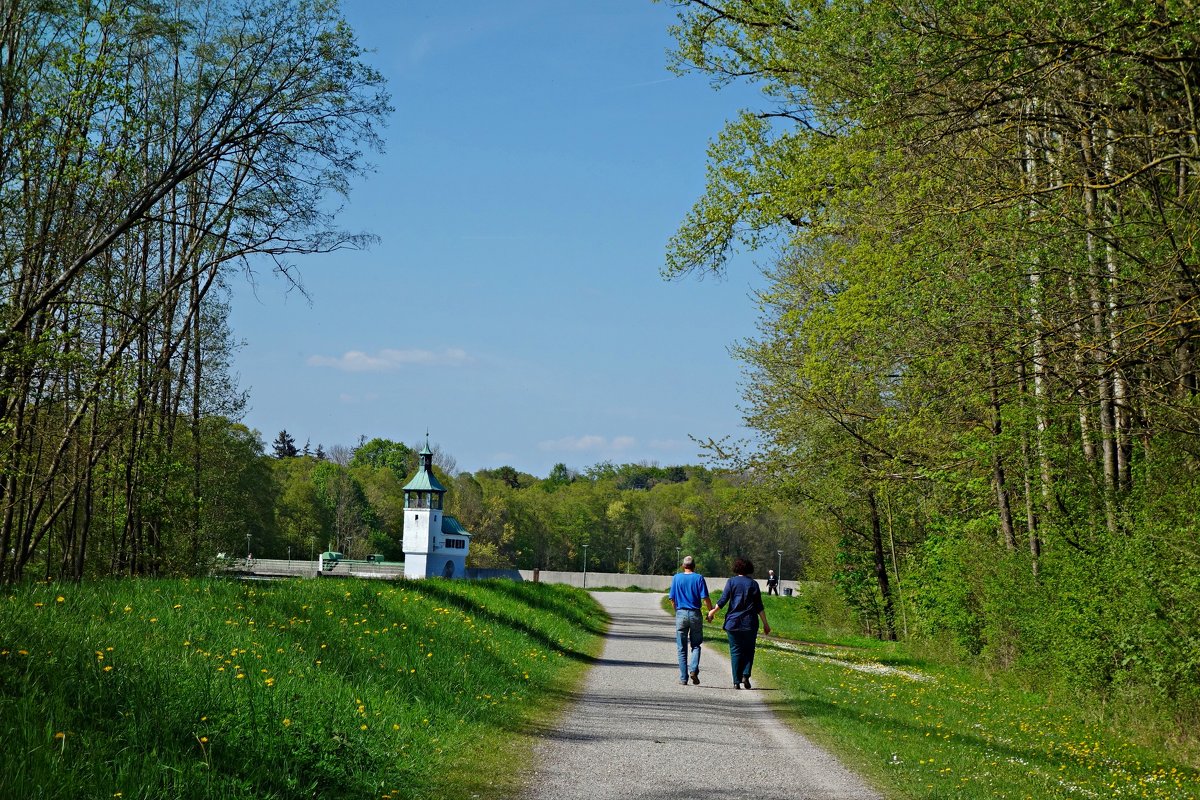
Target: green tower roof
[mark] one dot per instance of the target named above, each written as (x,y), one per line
(424,480)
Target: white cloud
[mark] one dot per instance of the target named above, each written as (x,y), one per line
(588,443)
(388,360)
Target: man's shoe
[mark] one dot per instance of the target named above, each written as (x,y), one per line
(683,681)
(737,686)
(746,683)
(696,678)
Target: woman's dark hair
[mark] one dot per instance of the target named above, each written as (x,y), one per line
(743,566)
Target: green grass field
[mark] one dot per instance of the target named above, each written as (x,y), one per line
(921,729)
(293,689)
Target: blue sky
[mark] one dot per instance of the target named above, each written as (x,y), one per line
(539,158)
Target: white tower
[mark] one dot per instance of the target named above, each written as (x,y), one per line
(435,545)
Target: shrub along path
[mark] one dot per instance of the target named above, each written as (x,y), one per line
(633,732)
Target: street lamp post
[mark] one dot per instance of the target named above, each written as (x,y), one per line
(585,547)
(628,560)
(247,547)
(779,567)
(289,552)
(677,557)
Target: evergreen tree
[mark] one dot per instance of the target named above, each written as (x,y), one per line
(285,445)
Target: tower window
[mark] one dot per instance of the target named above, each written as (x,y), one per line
(456,544)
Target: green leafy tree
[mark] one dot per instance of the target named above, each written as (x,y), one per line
(146,151)
(240,492)
(305,521)
(384,453)
(976,338)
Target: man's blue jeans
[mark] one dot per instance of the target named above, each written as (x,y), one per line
(689,628)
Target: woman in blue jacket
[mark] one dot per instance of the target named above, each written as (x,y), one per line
(743,600)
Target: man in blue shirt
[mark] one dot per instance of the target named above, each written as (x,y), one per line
(688,591)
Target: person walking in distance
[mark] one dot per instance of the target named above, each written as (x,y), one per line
(742,600)
(772,582)
(688,591)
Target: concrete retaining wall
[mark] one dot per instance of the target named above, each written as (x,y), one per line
(477,574)
(273,567)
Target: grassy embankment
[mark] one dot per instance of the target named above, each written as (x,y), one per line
(918,728)
(305,688)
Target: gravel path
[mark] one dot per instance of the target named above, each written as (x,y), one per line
(634,732)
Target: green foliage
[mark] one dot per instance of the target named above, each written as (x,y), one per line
(508,476)
(304,520)
(148,151)
(210,689)
(239,493)
(384,453)
(655,512)
(284,446)
(971,372)
(944,602)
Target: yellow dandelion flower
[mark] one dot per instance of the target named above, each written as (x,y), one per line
(60,599)
(60,735)
(286,722)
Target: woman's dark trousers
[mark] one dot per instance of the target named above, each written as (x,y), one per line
(741,653)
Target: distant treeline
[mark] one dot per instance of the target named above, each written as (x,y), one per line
(632,517)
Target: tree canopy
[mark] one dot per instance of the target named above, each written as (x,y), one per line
(977,361)
(148,152)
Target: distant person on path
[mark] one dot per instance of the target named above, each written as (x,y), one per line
(745,608)
(772,583)
(688,591)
